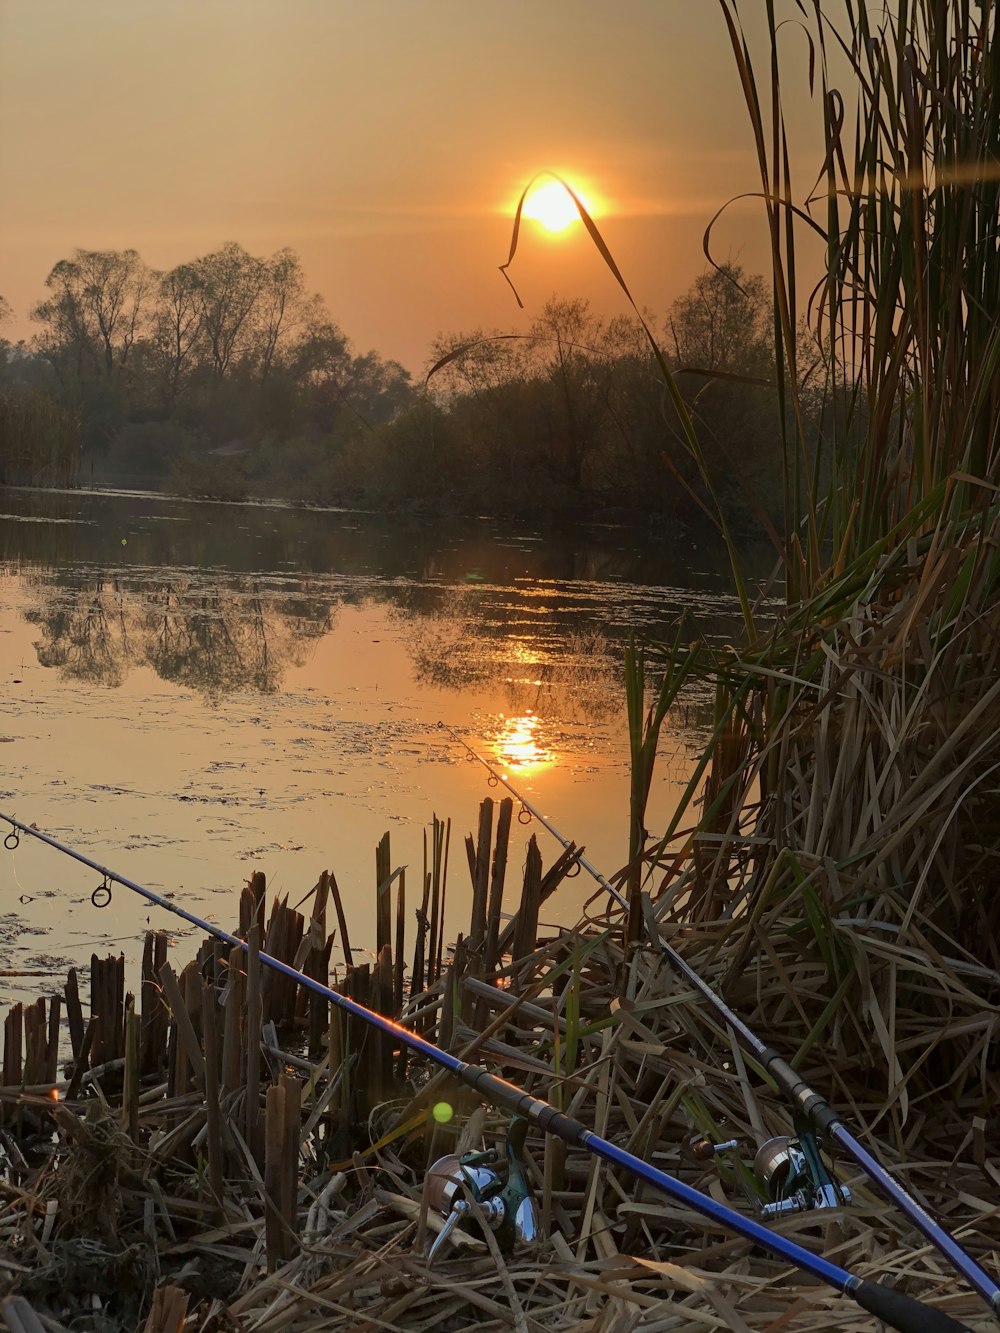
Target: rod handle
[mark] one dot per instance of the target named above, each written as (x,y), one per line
(903,1312)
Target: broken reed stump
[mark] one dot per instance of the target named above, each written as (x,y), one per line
(169,1039)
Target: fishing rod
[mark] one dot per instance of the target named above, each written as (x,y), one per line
(904,1313)
(810,1104)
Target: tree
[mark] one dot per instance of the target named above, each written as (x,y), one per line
(378,389)
(6,315)
(723,323)
(100,302)
(722,332)
(230,284)
(477,362)
(68,338)
(177,328)
(565,340)
(282,307)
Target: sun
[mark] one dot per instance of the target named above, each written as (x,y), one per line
(552,207)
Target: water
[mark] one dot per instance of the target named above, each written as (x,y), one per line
(194,691)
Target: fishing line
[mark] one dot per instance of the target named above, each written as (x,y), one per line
(903,1313)
(11,842)
(812,1106)
(100,898)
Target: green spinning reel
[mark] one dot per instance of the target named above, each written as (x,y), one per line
(499,1189)
(794,1176)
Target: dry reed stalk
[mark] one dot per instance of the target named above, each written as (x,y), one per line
(168,1311)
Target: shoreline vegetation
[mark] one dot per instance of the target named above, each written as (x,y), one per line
(831,870)
(223,379)
(229,1150)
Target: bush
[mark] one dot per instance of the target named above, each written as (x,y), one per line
(147,450)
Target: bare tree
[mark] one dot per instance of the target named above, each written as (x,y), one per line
(99,305)
(177,326)
(283,306)
(723,323)
(230,285)
(477,362)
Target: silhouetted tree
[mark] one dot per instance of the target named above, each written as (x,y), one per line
(229,283)
(177,329)
(721,332)
(723,323)
(100,302)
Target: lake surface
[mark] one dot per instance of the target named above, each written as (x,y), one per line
(193,691)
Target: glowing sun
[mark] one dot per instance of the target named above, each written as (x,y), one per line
(552,206)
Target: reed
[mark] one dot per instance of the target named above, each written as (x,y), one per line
(839,834)
(39,440)
(848,796)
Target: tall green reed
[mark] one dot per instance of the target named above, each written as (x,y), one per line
(906,307)
(890,445)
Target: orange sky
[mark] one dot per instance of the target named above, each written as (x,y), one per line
(384,140)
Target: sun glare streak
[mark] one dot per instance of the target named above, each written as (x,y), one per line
(519,744)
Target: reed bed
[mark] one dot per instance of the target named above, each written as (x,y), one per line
(39,440)
(229,1155)
(852,781)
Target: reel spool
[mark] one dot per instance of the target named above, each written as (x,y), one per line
(498,1188)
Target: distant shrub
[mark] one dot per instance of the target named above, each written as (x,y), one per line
(210,477)
(147,449)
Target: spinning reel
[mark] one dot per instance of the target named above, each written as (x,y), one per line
(499,1189)
(789,1170)
(794,1177)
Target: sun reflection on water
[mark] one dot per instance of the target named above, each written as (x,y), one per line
(520,744)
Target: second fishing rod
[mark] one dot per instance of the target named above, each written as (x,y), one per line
(809,1104)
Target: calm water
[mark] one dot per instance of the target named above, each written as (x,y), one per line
(195,691)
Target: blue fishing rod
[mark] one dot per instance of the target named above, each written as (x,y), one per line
(900,1312)
(810,1105)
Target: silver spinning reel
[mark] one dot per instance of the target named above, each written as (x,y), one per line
(794,1177)
(499,1189)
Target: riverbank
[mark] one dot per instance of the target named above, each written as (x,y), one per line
(229,1151)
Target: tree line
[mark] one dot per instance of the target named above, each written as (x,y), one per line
(225,376)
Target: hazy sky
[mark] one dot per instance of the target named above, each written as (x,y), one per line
(384,140)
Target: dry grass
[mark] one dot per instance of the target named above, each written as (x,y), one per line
(604,1030)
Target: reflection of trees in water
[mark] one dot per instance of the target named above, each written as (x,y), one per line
(88,639)
(461,642)
(584,680)
(543,649)
(216,638)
